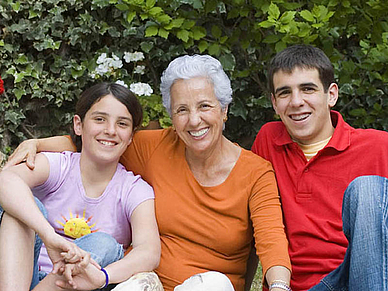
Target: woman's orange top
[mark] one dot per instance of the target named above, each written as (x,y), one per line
(209,228)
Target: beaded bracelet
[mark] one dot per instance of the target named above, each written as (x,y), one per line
(106,279)
(279,284)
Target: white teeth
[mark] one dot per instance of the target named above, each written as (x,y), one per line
(299,117)
(107,143)
(199,132)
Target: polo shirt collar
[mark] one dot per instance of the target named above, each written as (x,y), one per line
(339,141)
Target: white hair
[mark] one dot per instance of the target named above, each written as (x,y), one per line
(187,67)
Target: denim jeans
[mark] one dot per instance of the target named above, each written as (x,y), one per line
(103,248)
(364,215)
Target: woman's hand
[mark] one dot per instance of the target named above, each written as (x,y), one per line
(26,151)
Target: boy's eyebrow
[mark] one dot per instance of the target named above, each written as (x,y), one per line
(308,84)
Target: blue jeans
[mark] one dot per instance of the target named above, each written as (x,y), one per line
(103,248)
(365,223)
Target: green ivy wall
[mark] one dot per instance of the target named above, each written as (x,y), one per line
(50,50)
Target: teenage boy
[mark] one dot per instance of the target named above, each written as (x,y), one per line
(316,155)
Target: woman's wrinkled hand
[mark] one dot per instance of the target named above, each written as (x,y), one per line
(26,151)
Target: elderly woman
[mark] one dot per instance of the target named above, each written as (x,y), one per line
(212,197)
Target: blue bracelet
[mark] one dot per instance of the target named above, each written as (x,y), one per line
(106,278)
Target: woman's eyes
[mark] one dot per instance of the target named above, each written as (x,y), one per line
(205,106)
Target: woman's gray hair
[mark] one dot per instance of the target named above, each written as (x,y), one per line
(187,67)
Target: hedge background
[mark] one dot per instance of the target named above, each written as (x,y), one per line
(49,51)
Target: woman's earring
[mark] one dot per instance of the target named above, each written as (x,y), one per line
(225,118)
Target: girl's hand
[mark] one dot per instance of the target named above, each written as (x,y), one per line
(81,277)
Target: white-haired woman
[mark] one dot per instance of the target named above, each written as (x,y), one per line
(212,197)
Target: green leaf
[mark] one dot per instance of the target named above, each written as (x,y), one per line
(216,31)
(163,18)
(223,39)
(233,13)
(151,31)
(202,46)
(239,109)
(183,34)
(304,29)
(22,59)
(18,94)
(163,33)
(307,15)
(280,46)
(345,3)
(266,23)
(130,16)
(198,32)
(175,23)
(210,5)
(155,11)
(150,3)
(272,38)
(358,112)
(287,17)
(32,14)
(273,11)
(16,6)
(122,6)
(188,24)
(228,62)
(214,49)
(147,46)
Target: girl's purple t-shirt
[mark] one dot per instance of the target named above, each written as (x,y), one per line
(72,214)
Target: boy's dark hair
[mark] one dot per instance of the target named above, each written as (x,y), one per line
(302,56)
(95,93)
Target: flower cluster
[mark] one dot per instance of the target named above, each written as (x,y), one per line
(133,57)
(1,86)
(141,89)
(139,70)
(122,83)
(106,64)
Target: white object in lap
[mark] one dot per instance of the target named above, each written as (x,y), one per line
(213,281)
(141,282)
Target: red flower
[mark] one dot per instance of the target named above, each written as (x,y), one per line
(1,86)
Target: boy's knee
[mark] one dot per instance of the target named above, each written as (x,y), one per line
(366,190)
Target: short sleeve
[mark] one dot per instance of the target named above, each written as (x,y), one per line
(139,191)
(59,163)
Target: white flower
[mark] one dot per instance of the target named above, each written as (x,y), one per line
(121,83)
(106,64)
(139,70)
(141,89)
(101,58)
(133,57)
(102,69)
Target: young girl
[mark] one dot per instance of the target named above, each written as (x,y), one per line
(90,199)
